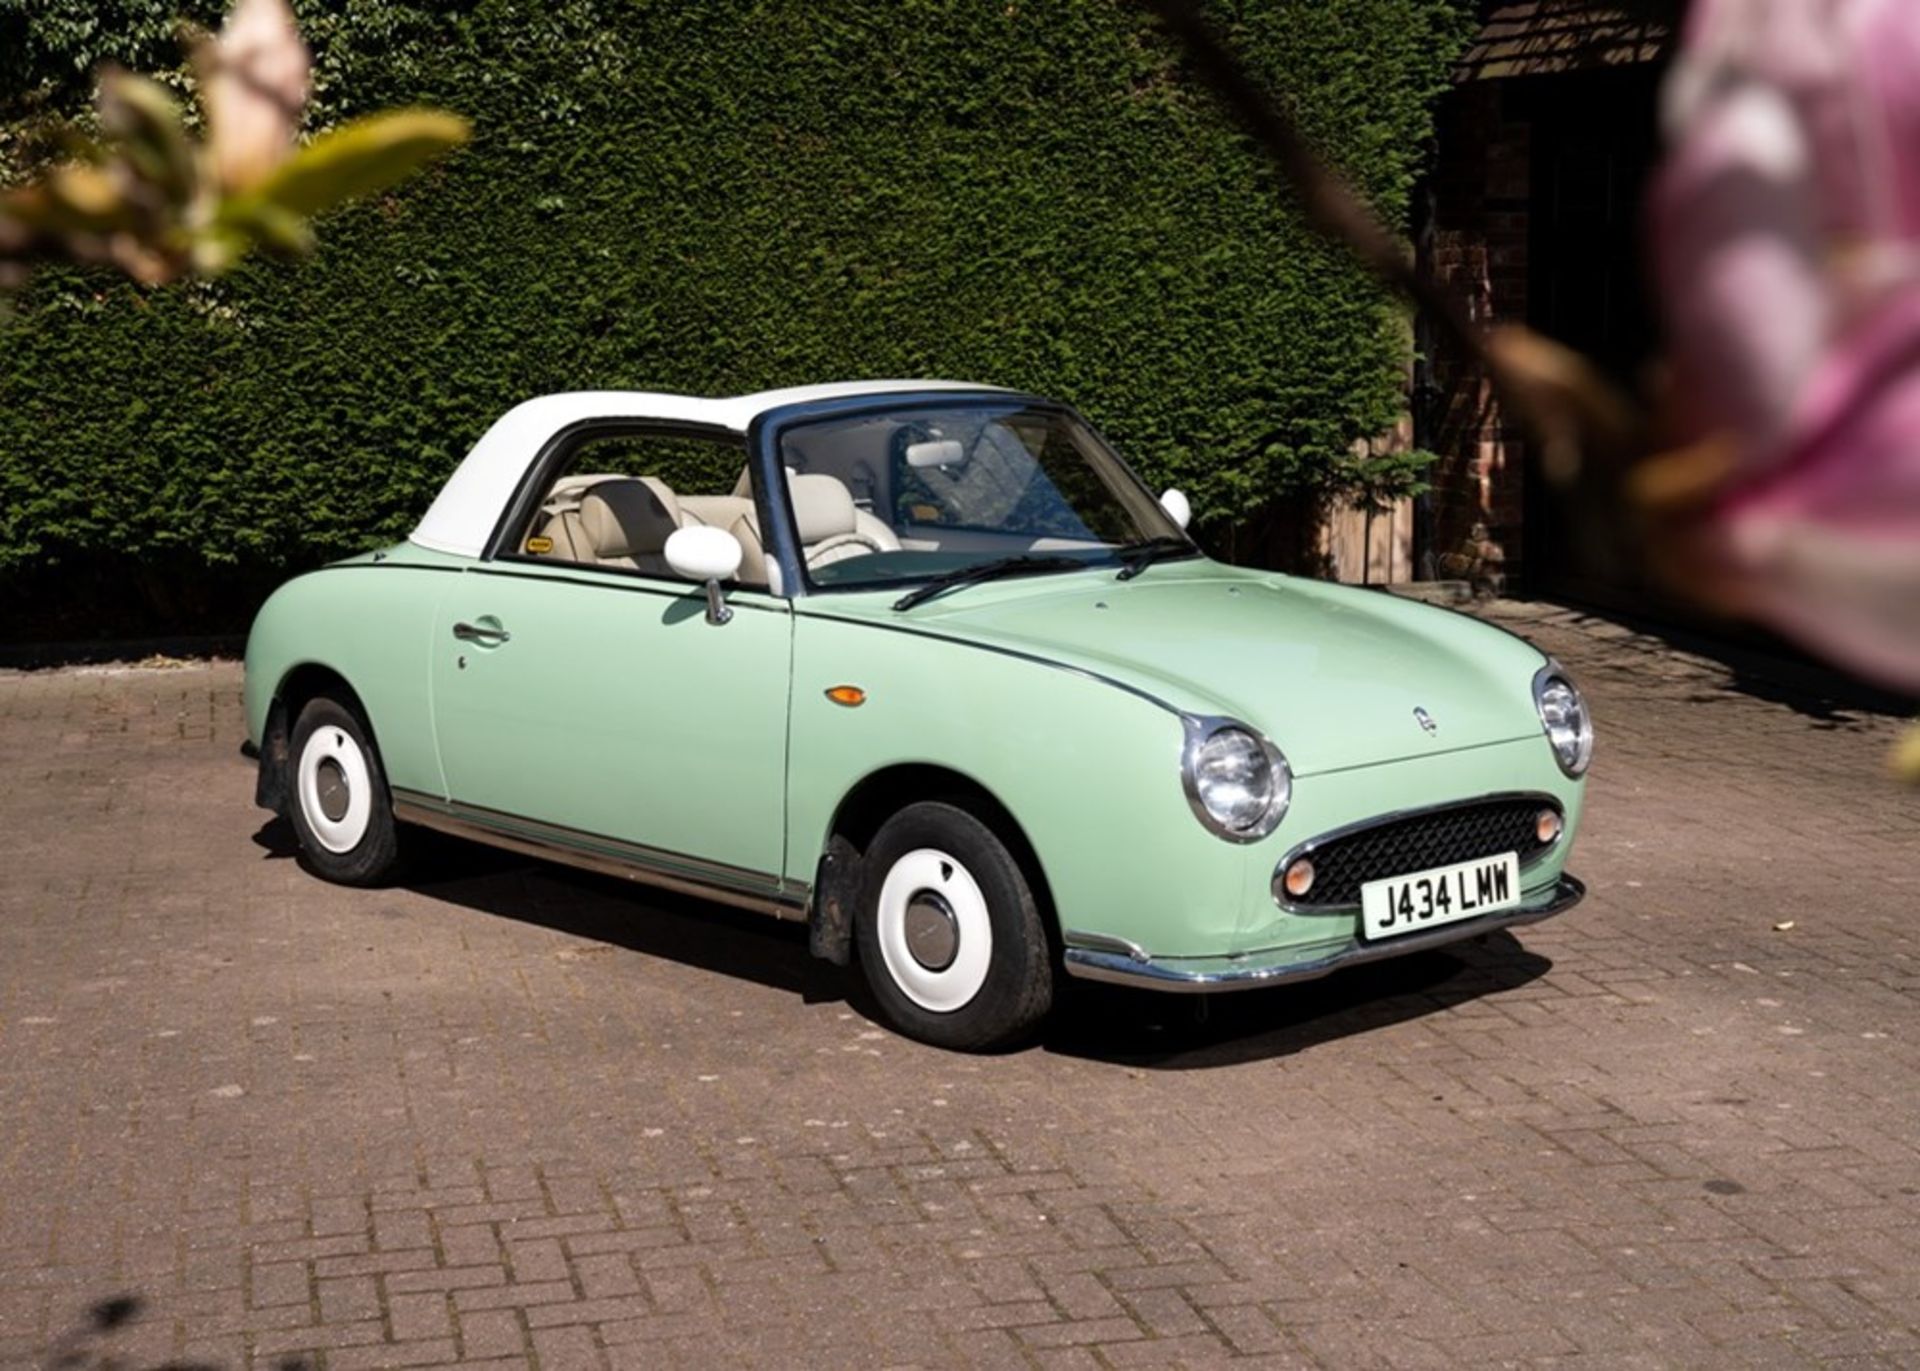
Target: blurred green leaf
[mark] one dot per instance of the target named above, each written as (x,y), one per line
(144,120)
(360,158)
(77,198)
(253,220)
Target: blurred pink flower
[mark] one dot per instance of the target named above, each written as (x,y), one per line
(1786,237)
(253,87)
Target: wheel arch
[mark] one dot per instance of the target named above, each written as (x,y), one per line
(297,687)
(871,801)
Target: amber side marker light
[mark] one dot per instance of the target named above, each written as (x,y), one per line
(1546,827)
(1299,878)
(850,696)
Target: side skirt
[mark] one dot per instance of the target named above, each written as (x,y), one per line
(732,885)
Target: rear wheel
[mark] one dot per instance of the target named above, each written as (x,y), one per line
(339,804)
(951,940)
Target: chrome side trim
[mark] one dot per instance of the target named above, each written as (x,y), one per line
(1106,942)
(1093,956)
(1012,652)
(1314,844)
(732,885)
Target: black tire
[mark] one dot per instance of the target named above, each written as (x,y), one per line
(950,871)
(344,817)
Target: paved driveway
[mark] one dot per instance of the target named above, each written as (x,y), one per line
(512,1115)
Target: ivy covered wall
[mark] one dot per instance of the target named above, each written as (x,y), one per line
(713,197)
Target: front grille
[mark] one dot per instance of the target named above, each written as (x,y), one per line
(1438,837)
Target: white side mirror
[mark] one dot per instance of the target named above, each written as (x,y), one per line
(941,452)
(1174,501)
(705,554)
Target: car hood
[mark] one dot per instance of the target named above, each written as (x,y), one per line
(1333,674)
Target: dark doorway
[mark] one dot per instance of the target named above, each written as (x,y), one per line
(1594,140)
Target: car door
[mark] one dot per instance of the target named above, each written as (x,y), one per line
(608,710)
(600,710)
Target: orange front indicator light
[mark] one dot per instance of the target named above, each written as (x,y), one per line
(848,695)
(1299,878)
(1546,827)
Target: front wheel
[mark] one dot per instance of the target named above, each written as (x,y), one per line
(340,808)
(951,940)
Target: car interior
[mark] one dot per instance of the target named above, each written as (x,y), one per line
(857,488)
(620,522)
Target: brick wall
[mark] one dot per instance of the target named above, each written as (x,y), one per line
(1478,247)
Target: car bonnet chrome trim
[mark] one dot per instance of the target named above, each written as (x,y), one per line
(1314,844)
(1013,652)
(677,871)
(1095,957)
(521,568)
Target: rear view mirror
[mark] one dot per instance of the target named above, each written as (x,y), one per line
(705,554)
(941,452)
(1174,501)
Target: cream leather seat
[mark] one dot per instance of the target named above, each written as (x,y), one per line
(830,525)
(621,523)
(719,511)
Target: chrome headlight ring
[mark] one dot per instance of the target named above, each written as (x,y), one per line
(1237,783)
(1564,718)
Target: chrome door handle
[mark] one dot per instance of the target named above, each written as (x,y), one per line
(477,633)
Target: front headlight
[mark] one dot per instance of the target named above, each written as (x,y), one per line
(1564,718)
(1237,782)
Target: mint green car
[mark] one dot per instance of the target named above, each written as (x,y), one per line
(927,667)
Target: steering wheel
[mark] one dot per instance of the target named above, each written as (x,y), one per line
(819,555)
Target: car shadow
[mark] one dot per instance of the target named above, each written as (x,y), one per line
(606,909)
(1097,1022)
(1167,1032)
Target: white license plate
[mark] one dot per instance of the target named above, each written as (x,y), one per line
(1444,895)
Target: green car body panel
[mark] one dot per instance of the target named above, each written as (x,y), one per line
(1027,689)
(617,715)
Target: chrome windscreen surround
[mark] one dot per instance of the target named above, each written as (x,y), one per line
(1199,728)
(1529,800)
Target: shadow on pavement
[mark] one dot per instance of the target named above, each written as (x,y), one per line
(1186,1032)
(90,1345)
(1098,1022)
(604,909)
(1758,665)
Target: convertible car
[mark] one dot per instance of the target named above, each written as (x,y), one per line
(927,667)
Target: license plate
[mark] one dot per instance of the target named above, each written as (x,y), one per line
(1444,895)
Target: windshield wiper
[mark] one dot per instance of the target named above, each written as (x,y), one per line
(985,571)
(1139,556)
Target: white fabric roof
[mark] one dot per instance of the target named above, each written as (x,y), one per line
(463,515)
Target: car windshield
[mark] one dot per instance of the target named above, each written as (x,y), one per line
(937,489)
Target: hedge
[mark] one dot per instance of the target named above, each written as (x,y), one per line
(711,198)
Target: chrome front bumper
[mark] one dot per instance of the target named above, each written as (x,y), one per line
(1095,958)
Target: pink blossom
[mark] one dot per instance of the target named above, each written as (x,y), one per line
(254,86)
(1786,232)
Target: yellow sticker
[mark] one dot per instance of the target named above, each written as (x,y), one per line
(538,545)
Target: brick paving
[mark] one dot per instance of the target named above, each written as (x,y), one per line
(511,1116)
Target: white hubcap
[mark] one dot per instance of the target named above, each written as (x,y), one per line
(935,935)
(336,795)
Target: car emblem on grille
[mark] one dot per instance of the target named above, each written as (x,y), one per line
(1425,720)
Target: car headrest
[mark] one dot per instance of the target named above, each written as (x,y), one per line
(629,518)
(822,507)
